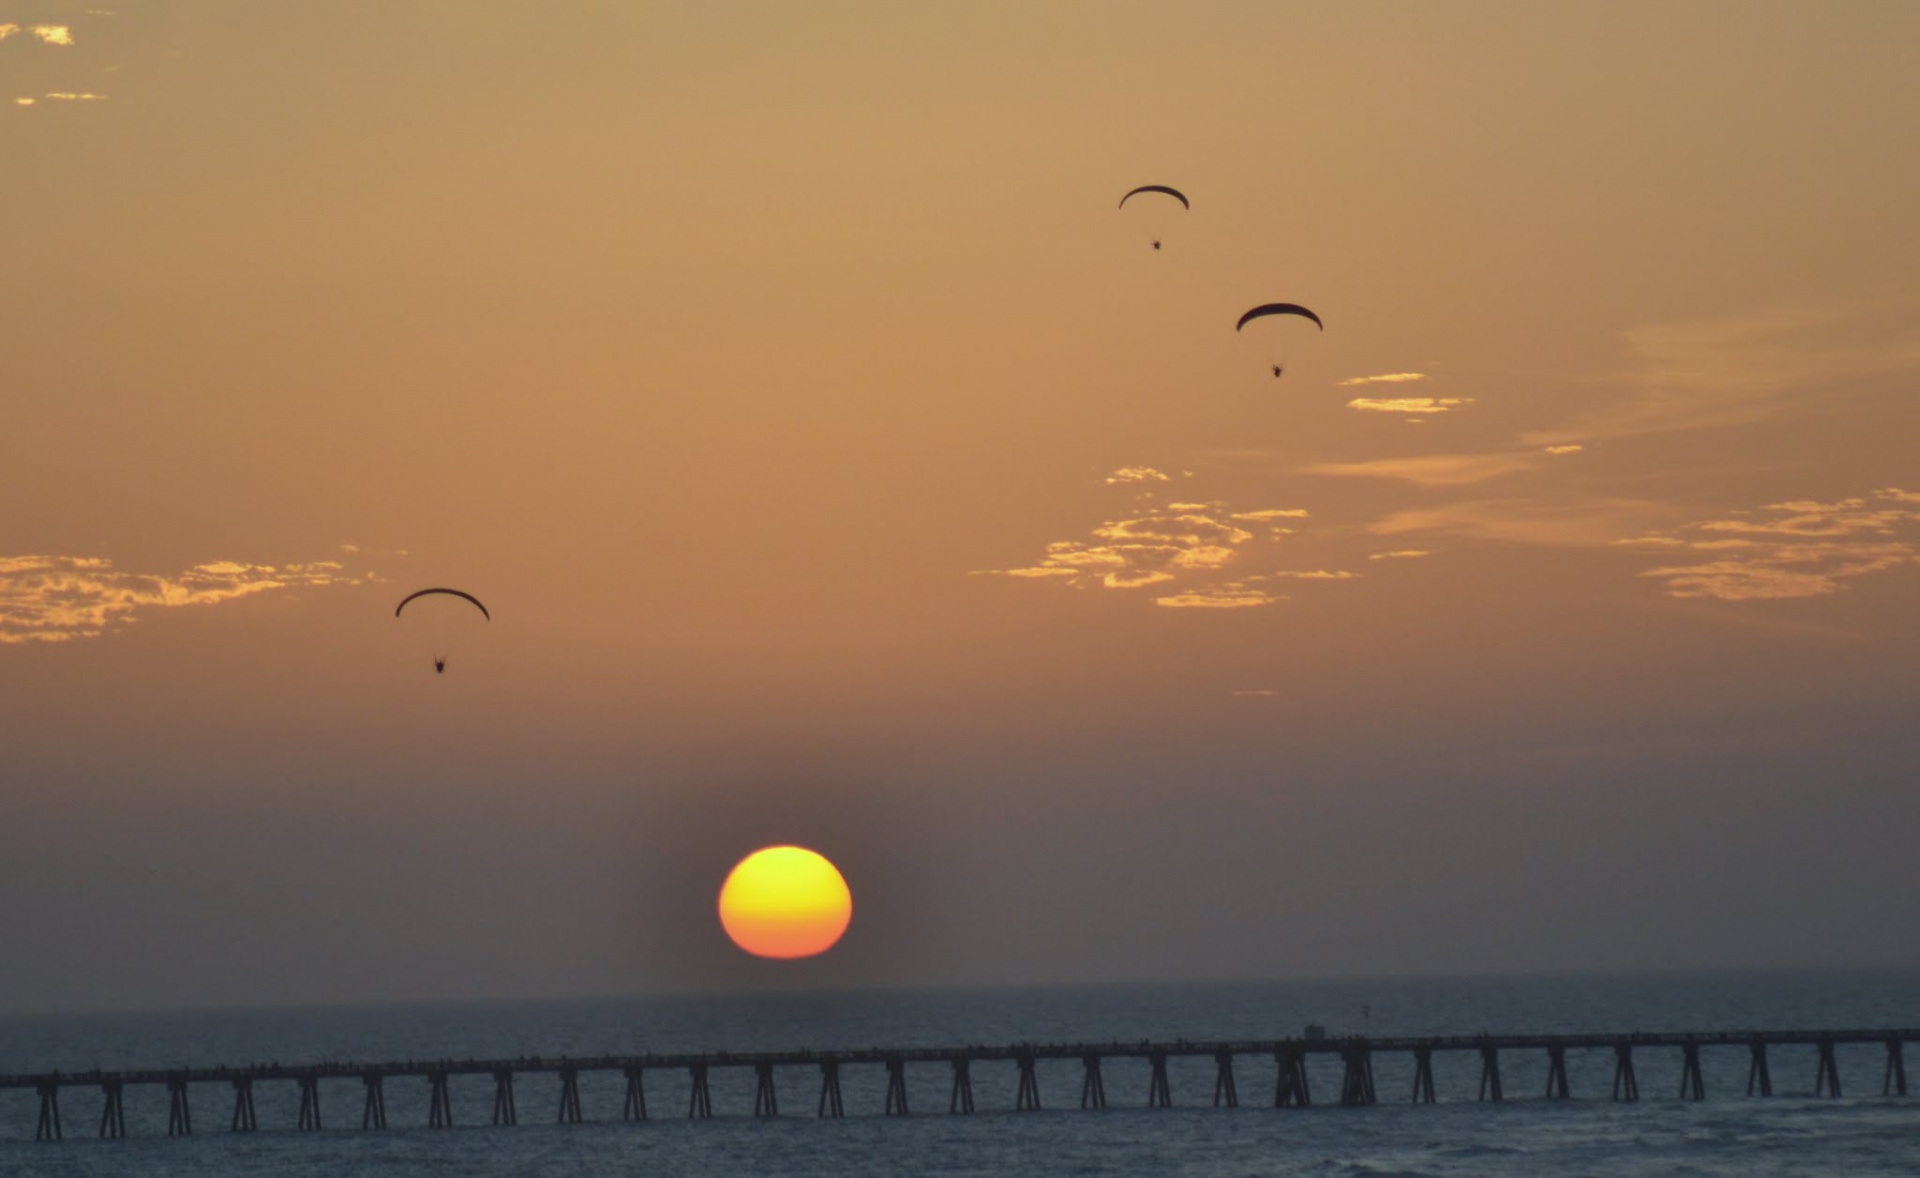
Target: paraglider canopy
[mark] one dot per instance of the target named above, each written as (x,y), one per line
(1175,193)
(1266,309)
(460,593)
(442,622)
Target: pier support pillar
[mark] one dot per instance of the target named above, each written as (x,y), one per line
(1759,1079)
(635,1106)
(1692,1085)
(309,1102)
(1093,1089)
(1028,1097)
(244,1120)
(699,1099)
(1826,1081)
(505,1112)
(962,1099)
(179,1113)
(1423,1075)
(1159,1091)
(830,1104)
(439,1101)
(1224,1091)
(1490,1088)
(570,1095)
(896,1086)
(1626,1088)
(1895,1083)
(766,1100)
(1290,1089)
(48,1128)
(113,1110)
(1557,1071)
(374,1114)
(1356,1080)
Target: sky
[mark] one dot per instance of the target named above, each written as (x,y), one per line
(842,468)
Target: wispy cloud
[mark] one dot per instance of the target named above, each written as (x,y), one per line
(1578,523)
(1184,546)
(1570,448)
(46,34)
(61,598)
(1428,405)
(1233,595)
(1400,554)
(1385,378)
(1731,371)
(1136,474)
(1797,548)
(1317,574)
(71,96)
(1435,470)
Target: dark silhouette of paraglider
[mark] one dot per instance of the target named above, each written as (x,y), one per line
(1164,190)
(440,660)
(1266,309)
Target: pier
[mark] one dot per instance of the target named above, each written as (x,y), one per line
(1360,1061)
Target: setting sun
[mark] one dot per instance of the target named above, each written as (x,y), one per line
(785,902)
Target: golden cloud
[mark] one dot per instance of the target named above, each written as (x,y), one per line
(54,34)
(1136,474)
(1796,548)
(1569,448)
(23,101)
(1158,546)
(1435,470)
(1235,595)
(8,30)
(1318,574)
(69,96)
(1408,404)
(1578,523)
(61,598)
(1385,378)
(1400,554)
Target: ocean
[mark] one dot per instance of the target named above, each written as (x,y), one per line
(1861,1135)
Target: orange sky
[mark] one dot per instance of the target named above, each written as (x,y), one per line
(843,469)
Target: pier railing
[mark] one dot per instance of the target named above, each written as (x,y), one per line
(1292,1088)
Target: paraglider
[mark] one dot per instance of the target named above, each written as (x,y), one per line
(1175,193)
(1163,190)
(440,658)
(1268,309)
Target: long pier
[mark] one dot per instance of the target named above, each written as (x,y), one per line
(1355,1057)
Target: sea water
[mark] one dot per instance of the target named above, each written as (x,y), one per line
(1793,1133)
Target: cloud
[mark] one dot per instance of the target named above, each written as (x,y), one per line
(8,29)
(1400,554)
(1434,470)
(1409,404)
(69,96)
(1797,548)
(1234,595)
(1173,545)
(23,101)
(1580,523)
(1731,371)
(1318,574)
(1136,474)
(53,34)
(1255,693)
(1569,448)
(1385,378)
(61,598)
